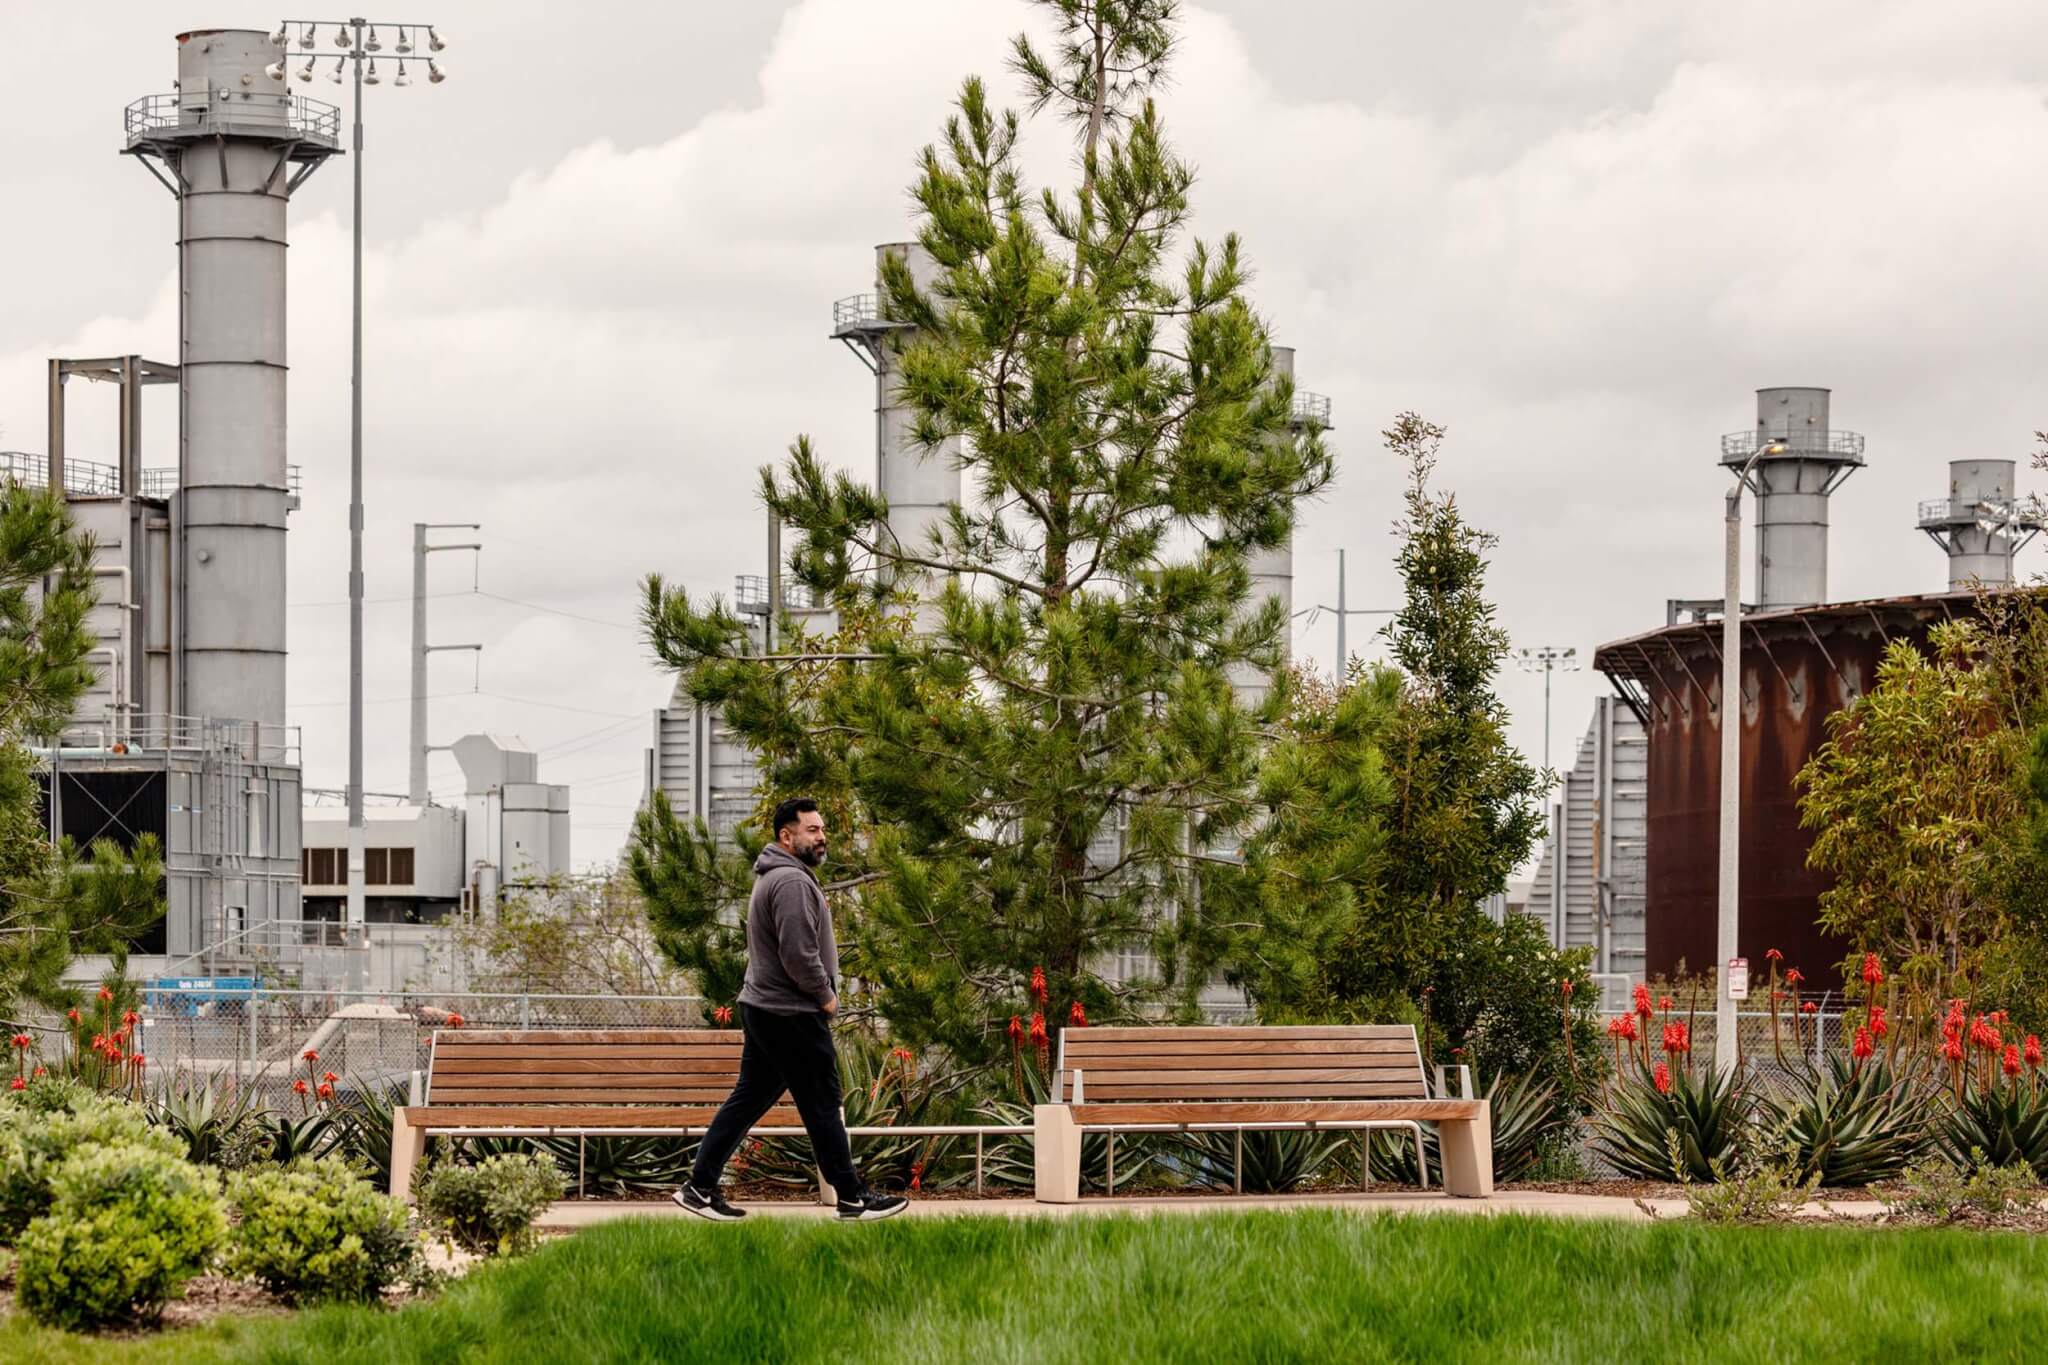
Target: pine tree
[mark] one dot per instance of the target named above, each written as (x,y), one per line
(1127,442)
(53,903)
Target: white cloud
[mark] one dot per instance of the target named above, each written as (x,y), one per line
(1584,289)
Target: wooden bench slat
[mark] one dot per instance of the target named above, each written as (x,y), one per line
(1249,1032)
(587,1066)
(1093,1115)
(1322,1090)
(1249,1047)
(435,1117)
(1226,1061)
(646,1051)
(542,1084)
(584,1037)
(1095,1076)
(595,1094)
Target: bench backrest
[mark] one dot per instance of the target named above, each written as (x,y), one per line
(472,1067)
(1231,1062)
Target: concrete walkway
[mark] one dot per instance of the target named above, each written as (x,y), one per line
(573,1214)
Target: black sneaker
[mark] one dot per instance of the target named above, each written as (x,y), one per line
(711,1206)
(871,1206)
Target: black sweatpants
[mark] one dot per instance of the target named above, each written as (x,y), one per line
(790,1052)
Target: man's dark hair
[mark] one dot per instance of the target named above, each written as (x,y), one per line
(787,811)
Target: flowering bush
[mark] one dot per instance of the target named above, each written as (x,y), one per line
(129,1224)
(489,1208)
(45,1125)
(317,1230)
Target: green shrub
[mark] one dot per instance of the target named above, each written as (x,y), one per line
(51,1124)
(1937,1192)
(317,1230)
(129,1224)
(489,1208)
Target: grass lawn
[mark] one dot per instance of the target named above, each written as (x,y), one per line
(1253,1286)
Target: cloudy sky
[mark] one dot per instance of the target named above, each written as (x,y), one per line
(602,257)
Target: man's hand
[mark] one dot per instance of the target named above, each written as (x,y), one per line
(832,1005)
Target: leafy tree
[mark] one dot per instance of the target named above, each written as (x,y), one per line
(571,936)
(1128,443)
(1909,799)
(53,903)
(1394,807)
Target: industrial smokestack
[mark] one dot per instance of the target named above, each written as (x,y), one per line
(1792,488)
(1981,524)
(1272,570)
(233,144)
(921,485)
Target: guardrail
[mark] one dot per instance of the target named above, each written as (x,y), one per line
(1740,445)
(155,116)
(1311,409)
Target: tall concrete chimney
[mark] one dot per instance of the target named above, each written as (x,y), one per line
(1981,524)
(1792,488)
(231,144)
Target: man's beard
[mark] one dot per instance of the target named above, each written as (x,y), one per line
(813,855)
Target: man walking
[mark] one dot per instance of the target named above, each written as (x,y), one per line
(786,1009)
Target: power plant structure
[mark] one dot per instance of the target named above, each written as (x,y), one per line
(1793,482)
(185,737)
(1981,524)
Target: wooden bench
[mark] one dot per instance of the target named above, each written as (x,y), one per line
(583,1083)
(1237,1078)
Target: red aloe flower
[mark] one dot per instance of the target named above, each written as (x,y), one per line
(310,1055)
(1077,1017)
(1664,1004)
(21,1040)
(1792,976)
(299,1087)
(137,1058)
(1642,1001)
(1567,986)
(1808,1007)
(1628,1028)
(326,1092)
(1873,970)
(454,1020)
(1862,1047)
(1614,1026)
(2011,1065)
(1951,1048)
(72,1015)
(105,995)
(39,1073)
(1773,955)
(17,1084)
(1038,990)
(2033,1052)
(722,1016)
(1038,1033)
(1878,1024)
(128,1017)
(1016,1030)
(1661,1078)
(1677,1038)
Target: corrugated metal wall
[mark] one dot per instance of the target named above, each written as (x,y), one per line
(1599,819)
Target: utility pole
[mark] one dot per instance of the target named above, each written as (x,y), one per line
(1547,659)
(416,787)
(1343,613)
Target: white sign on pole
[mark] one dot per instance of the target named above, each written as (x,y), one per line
(1738,978)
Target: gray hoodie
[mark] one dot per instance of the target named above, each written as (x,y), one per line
(792,958)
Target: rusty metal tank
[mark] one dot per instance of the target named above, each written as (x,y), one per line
(1799,666)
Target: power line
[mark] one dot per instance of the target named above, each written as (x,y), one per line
(554,611)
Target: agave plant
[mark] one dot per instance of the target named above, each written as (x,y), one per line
(363,1128)
(880,1089)
(287,1138)
(1851,1127)
(1275,1160)
(1996,1125)
(1526,1118)
(214,1129)
(1659,1126)
(622,1165)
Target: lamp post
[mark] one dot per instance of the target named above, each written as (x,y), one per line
(1731,762)
(1547,659)
(359,42)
